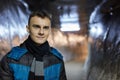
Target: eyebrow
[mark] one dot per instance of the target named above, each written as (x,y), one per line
(46,26)
(35,25)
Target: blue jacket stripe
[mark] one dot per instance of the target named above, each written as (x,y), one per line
(17,52)
(55,52)
(21,72)
(53,72)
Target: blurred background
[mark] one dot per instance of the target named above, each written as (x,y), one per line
(69,29)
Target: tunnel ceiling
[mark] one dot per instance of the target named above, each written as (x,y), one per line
(47,4)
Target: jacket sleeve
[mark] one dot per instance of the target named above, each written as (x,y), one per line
(5,73)
(63,72)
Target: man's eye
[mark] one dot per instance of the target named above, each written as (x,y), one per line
(36,26)
(46,27)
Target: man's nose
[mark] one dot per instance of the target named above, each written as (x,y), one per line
(41,31)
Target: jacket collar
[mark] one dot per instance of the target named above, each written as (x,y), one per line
(17,52)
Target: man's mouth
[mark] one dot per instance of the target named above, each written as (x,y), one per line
(40,37)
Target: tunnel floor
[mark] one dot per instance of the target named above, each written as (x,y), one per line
(74,70)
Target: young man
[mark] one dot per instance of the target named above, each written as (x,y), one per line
(34,59)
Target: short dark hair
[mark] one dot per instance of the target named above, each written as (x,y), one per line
(42,14)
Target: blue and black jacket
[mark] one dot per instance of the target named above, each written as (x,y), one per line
(17,63)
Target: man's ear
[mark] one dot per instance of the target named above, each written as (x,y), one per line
(27,28)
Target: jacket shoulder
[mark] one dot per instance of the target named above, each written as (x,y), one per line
(17,52)
(56,53)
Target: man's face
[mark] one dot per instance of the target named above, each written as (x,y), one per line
(39,29)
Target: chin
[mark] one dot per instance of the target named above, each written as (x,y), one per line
(40,42)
